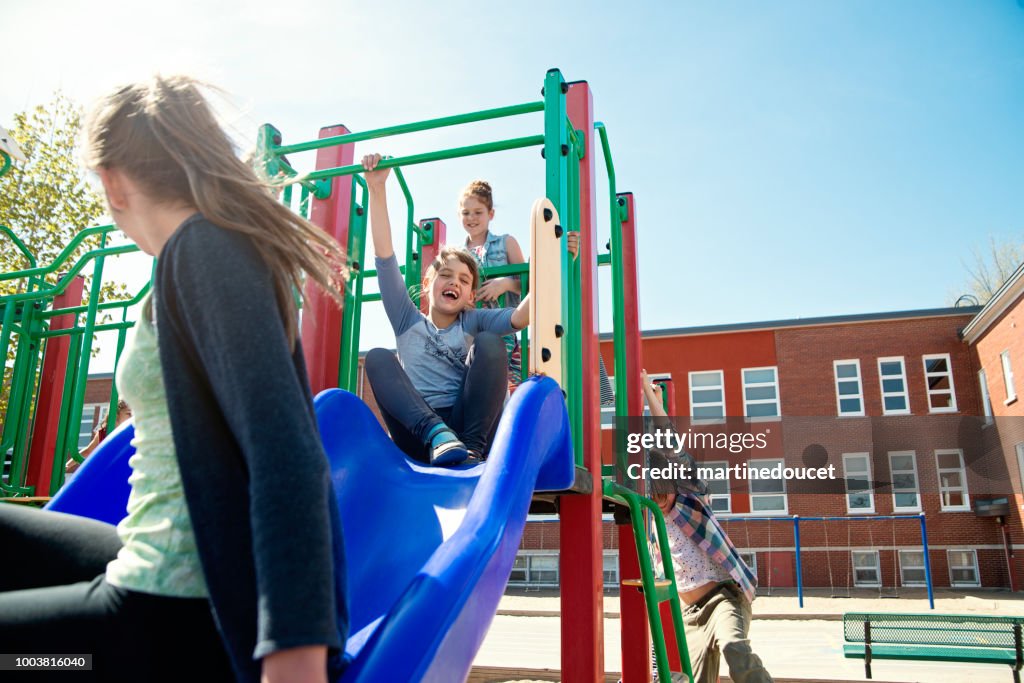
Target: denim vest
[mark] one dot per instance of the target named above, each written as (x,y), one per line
(495,253)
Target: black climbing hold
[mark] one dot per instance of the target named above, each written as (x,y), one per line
(547,215)
(545,355)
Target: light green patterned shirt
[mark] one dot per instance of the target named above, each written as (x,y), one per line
(159,555)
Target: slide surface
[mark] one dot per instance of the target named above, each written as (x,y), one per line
(428,550)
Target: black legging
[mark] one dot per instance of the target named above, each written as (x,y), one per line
(55,600)
(474,416)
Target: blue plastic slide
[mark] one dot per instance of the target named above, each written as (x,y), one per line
(429,550)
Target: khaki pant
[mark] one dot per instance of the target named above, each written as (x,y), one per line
(717,629)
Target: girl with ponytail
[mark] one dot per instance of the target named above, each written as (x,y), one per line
(228,547)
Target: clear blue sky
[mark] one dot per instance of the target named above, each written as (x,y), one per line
(789,159)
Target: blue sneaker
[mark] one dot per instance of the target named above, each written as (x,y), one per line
(445,448)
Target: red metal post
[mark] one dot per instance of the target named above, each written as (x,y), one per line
(51,390)
(581,557)
(430,251)
(635,638)
(321,315)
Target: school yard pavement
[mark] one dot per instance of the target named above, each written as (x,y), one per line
(793,643)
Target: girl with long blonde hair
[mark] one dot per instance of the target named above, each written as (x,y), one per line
(225,559)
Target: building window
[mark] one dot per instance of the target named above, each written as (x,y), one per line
(761,392)
(707,395)
(986,399)
(749,558)
(610,569)
(963,568)
(718,486)
(540,569)
(903,468)
(1020,461)
(912,568)
(767,495)
(93,414)
(893,379)
(608,411)
(857,471)
(865,568)
(952,480)
(938,380)
(1011,393)
(535,569)
(849,396)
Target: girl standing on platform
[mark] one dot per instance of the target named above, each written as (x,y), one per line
(441,398)
(476,208)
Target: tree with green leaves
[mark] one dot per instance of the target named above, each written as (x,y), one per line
(46,199)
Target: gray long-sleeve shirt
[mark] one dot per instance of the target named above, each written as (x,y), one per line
(434,359)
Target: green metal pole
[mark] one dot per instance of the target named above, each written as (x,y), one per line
(556,177)
(617,217)
(348,365)
(20,245)
(70,372)
(429,124)
(454,153)
(66,280)
(75,414)
(412,252)
(652,596)
(19,403)
(65,253)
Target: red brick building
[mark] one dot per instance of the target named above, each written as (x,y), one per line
(892,400)
(908,407)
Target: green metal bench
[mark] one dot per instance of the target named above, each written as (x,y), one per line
(934,638)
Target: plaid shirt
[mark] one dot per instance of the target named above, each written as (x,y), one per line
(698,522)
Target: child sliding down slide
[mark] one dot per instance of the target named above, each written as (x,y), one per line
(442,400)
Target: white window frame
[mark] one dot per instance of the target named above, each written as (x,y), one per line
(89,413)
(1011,391)
(860,387)
(866,457)
(935,392)
(727,496)
(986,398)
(903,578)
(1020,460)
(529,581)
(614,581)
(962,471)
(777,401)
(977,574)
(721,386)
(608,412)
(768,462)
(750,555)
(889,394)
(917,482)
(878,569)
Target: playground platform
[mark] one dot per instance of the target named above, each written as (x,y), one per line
(796,644)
